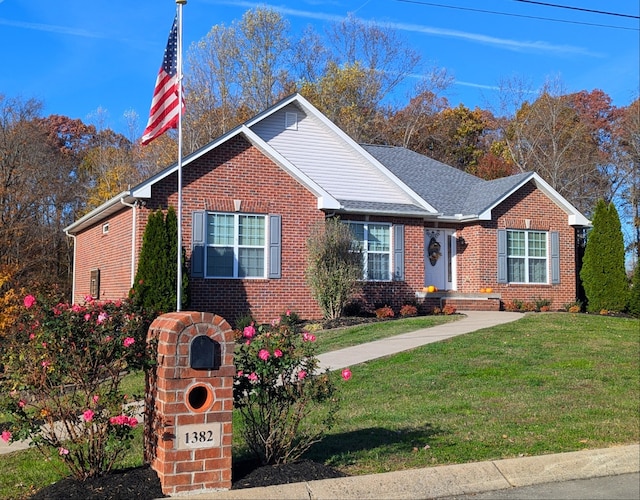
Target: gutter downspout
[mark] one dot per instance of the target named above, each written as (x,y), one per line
(73,271)
(134,223)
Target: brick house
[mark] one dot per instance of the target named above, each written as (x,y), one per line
(252,197)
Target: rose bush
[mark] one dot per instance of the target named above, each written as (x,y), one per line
(62,379)
(278,387)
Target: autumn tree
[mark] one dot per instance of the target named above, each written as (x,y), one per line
(627,155)
(108,164)
(557,136)
(236,72)
(40,191)
(363,64)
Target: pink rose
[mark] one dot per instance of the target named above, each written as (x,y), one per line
(277,353)
(22,403)
(302,374)
(133,421)
(87,317)
(29,300)
(346,374)
(6,436)
(240,373)
(249,332)
(46,364)
(308,337)
(95,399)
(102,317)
(62,451)
(128,341)
(253,377)
(88,415)
(264,354)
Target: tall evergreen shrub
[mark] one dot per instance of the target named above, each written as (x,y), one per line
(634,294)
(603,274)
(155,286)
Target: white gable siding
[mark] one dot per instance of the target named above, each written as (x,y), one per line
(326,158)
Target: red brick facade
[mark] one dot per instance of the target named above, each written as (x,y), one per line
(236,170)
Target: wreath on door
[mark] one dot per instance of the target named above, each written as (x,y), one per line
(433,250)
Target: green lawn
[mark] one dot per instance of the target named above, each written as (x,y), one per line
(547,383)
(544,384)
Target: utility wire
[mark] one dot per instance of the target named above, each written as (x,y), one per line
(606,13)
(517,15)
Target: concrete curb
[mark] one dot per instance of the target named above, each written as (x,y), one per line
(451,480)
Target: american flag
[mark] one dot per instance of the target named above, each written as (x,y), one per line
(164,105)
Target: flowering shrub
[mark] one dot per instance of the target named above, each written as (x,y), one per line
(408,310)
(384,312)
(277,386)
(62,378)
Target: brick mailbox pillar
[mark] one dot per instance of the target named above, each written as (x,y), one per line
(189,402)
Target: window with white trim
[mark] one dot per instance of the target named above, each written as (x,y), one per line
(374,239)
(235,245)
(527,256)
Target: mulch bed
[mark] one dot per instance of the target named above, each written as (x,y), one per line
(142,483)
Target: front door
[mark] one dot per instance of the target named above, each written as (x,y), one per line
(439,258)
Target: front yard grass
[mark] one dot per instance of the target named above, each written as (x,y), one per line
(547,383)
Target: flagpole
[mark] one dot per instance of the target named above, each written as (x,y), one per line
(180,4)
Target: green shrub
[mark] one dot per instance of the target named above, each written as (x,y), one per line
(334,266)
(603,273)
(634,294)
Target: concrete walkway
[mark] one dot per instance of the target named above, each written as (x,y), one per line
(472,321)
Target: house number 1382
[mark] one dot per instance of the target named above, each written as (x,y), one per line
(198,437)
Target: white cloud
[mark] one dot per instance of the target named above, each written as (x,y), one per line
(503,43)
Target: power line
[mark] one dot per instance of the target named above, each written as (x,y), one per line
(517,15)
(606,13)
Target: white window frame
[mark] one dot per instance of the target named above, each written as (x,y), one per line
(366,251)
(527,257)
(236,246)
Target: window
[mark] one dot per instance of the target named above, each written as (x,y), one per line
(375,241)
(527,257)
(94,283)
(235,245)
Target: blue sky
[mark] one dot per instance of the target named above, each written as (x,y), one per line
(77,56)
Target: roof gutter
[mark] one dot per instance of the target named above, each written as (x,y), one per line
(73,270)
(134,230)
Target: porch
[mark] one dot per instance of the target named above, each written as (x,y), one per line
(461,301)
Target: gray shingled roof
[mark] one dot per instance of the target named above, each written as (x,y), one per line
(447,189)
(383,208)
